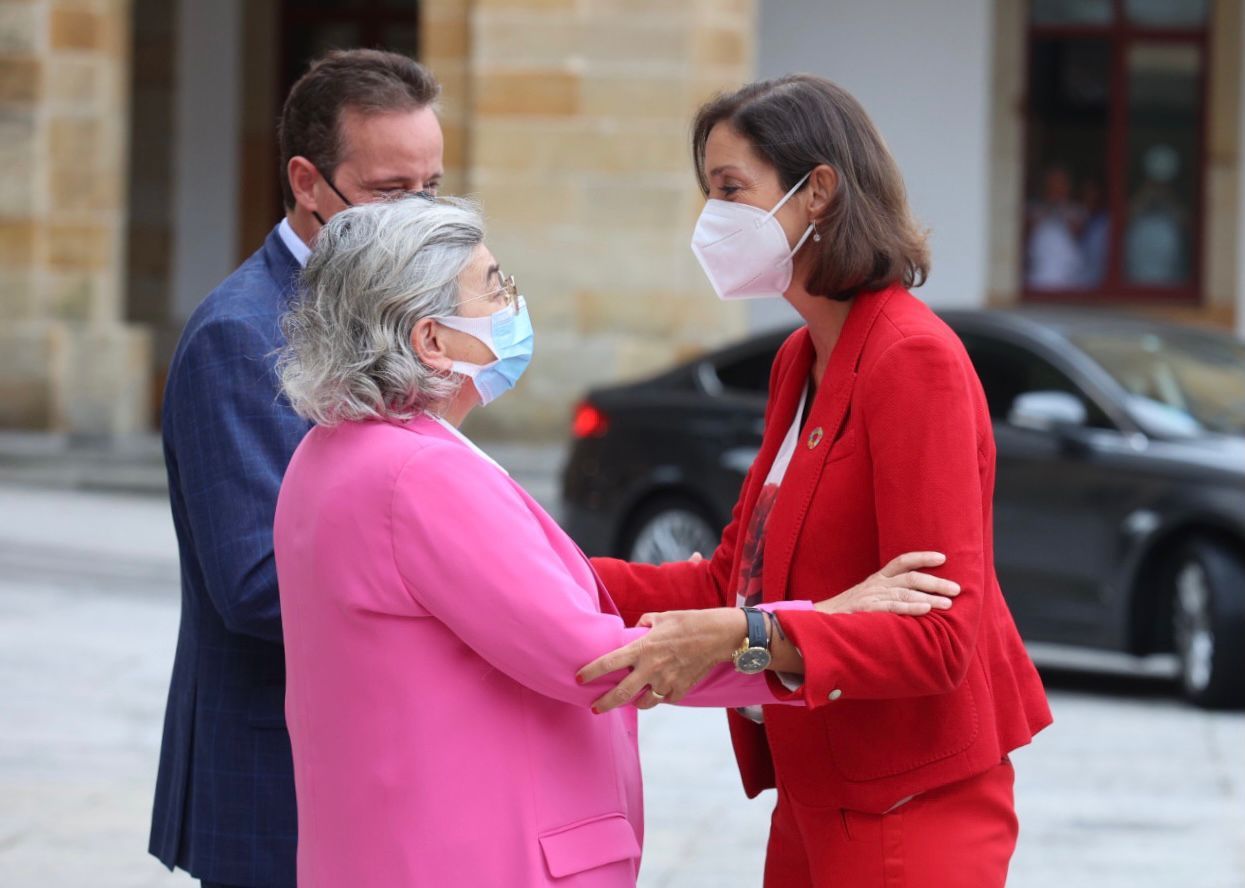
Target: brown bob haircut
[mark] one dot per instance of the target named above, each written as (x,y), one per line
(370,81)
(869,237)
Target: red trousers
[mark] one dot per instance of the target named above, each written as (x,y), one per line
(957,836)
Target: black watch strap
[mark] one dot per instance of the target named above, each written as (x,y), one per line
(758,635)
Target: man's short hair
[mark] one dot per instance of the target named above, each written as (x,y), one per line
(368,81)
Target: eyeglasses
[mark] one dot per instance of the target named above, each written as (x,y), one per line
(509,289)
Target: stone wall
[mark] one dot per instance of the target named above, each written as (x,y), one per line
(68,361)
(444,26)
(569,120)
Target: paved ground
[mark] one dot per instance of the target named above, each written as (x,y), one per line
(1130,789)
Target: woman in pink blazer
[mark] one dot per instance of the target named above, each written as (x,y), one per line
(434,615)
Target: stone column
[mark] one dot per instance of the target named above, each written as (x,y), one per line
(1006,170)
(1221,239)
(1240,180)
(68,361)
(571,120)
(208,119)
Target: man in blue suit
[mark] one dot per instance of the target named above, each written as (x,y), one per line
(360,125)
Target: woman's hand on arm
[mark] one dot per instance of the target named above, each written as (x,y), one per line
(684,646)
(898,588)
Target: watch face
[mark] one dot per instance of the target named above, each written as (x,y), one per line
(752,661)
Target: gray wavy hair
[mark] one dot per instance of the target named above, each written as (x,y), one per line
(377,269)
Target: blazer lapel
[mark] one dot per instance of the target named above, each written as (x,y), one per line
(828,413)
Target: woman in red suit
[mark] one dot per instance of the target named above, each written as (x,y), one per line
(877,441)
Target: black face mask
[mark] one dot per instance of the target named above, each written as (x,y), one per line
(343,197)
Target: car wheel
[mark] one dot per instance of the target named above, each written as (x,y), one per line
(669,529)
(1208,618)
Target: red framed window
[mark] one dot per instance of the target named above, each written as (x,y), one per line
(1115,122)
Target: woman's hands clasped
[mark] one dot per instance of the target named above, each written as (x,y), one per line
(666,663)
(683,646)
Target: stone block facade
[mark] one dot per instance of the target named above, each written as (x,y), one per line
(570,121)
(68,360)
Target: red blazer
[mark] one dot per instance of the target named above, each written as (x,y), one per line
(897,455)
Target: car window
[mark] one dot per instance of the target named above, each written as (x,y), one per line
(1008,371)
(1191,378)
(749,373)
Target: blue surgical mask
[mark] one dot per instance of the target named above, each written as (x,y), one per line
(508,334)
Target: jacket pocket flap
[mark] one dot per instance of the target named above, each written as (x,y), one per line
(588,844)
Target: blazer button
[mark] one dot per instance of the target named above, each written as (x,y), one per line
(814,437)
(835,694)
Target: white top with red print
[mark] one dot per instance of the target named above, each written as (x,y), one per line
(752,560)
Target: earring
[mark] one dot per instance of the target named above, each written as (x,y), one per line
(816,233)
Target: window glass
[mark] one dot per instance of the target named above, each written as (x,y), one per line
(1113,150)
(1008,371)
(1163,113)
(1177,374)
(1070,12)
(1067,232)
(1167,13)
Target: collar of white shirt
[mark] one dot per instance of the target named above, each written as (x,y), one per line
(293,243)
(461,437)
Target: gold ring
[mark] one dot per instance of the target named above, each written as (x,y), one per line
(657,695)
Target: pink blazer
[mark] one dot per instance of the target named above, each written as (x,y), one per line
(434,618)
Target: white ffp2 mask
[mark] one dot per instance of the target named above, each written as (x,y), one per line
(744,250)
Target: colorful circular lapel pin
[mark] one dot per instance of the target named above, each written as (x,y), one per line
(814,437)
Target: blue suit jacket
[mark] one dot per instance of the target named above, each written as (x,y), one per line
(224,806)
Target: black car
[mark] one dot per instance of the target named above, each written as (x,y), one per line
(1119,504)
